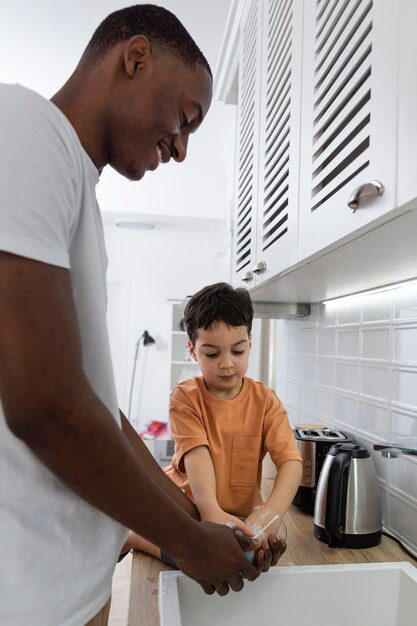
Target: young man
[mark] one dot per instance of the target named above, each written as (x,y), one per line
(73,473)
(224,423)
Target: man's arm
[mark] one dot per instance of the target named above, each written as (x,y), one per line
(155,471)
(51,407)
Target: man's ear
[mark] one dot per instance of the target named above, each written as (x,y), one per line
(136,54)
(191,348)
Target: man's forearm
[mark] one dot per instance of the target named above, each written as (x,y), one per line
(155,471)
(85,448)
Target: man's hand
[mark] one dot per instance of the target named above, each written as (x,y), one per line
(218,561)
(266,554)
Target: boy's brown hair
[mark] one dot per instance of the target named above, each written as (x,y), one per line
(218,303)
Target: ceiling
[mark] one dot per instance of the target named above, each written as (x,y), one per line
(40,44)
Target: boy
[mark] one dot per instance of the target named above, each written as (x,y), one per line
(222,422)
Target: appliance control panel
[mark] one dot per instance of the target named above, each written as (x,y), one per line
(308,453)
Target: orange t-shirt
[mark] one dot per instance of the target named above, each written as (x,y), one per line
(238,434)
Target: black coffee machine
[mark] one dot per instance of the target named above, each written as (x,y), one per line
(314,444)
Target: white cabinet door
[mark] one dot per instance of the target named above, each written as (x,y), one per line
(349,117)
(246,178)
(277,217)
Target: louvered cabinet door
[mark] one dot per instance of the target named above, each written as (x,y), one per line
(277,218)
(349,118)
(246,177)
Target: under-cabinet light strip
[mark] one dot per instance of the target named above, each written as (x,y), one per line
(362,294)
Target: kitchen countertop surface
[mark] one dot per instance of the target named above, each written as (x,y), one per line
(303,549)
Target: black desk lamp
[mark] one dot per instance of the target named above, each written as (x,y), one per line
(147,341)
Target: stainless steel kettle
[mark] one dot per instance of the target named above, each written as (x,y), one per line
(347,510)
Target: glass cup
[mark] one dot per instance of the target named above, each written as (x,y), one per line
(264,521)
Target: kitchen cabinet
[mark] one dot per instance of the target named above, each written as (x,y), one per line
(326,167)
(182,365)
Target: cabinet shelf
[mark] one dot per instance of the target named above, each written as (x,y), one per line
(181,367)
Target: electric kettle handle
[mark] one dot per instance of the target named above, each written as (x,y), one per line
(334,522)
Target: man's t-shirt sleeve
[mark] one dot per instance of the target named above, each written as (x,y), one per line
(38,204)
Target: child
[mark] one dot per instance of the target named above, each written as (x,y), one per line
(224,423)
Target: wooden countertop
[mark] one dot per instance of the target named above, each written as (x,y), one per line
(303,549)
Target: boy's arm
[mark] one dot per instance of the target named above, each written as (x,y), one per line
(285,486)
(202,479)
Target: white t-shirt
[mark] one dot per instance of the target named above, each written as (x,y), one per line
(57,553)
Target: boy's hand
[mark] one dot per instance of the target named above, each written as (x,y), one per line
(272,554)
(221,517)
(269,528)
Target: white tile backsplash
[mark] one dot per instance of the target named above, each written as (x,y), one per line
(403,476)
(347,376)
(346,411)
(405,340)
(347,342)
(377,309)
(325,372)
(402,520)
(404,387)
(324,403)
(349,313)
(373,418)
(326,343)
(404,423)
(354,365)
(405,304)
(376,344)
(374,382)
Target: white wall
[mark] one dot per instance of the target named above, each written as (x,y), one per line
(353,364)
(147,269)
(41,42)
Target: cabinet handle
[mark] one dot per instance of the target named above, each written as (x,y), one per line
(259,268)
(373,188)
(247,277)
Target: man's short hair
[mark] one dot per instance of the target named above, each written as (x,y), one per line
(156,23)
(218,303)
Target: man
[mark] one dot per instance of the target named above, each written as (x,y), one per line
(73,473)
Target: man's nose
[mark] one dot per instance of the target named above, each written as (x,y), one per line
(180,147)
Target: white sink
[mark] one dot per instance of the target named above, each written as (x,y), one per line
(369,594)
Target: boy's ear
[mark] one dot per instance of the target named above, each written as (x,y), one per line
(250,341)
(191,348)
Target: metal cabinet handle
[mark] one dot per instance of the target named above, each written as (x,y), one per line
(373,188)
(259,268)
(247,277)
